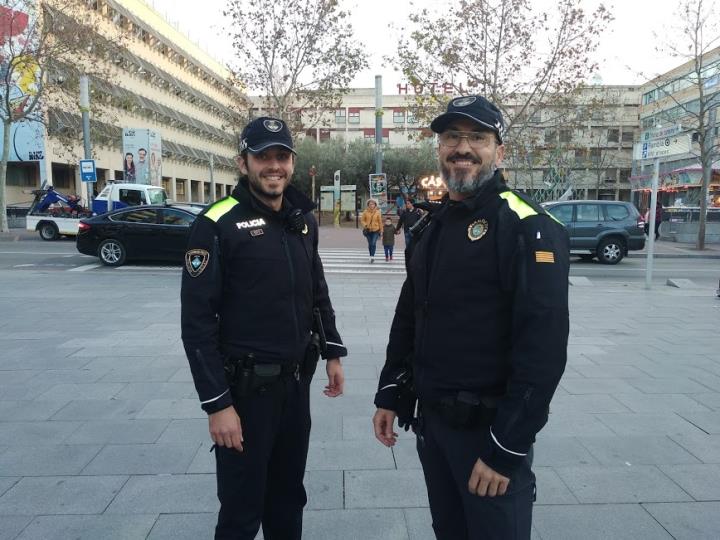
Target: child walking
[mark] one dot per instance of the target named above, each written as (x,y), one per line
(388,239)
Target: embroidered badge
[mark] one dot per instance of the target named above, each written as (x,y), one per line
(257,232)
(463,101)
(544,257)
(196,260)
(477,229)
(273,125)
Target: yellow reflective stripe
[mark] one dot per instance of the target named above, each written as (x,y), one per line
(220,208)
(517,205)
(521,208)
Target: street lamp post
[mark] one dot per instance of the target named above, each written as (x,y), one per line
(85,110)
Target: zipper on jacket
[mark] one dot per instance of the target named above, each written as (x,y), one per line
(292,282)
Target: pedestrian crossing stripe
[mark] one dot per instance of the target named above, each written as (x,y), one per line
(544,257)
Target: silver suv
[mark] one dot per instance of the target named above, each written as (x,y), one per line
(603,229)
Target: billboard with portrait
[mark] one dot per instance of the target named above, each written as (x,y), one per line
(142,156)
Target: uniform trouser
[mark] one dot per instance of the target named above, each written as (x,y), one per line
(264,483)
(448,455)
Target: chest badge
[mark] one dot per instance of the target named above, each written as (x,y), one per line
(305,229)
(477,229)
(196,260)
(256,232)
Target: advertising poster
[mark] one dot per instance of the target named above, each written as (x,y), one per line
(378,190)
(27,138)
(142,156)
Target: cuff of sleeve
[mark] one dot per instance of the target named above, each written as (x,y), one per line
(334,351)
(500,460)
(219,404)
(387,399)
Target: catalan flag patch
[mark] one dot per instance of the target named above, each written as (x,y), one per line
(544,257)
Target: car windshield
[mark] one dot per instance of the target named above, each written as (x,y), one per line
(156,195)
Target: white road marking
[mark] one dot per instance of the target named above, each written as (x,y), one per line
(86,267)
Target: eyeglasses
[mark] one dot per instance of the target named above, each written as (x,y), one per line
(476,139)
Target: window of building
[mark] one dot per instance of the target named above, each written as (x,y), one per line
(17,175)
(565,135)
(628,136)
(613,135)
(398,116)
(369,133)
(550,136)
(411,118)
(595,155)
(340,116)
(354,116)
(580,155)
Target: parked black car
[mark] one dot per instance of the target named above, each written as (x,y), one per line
(603,229)
(152,233)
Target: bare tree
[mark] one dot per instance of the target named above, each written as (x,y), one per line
(507,50)
(301,54)
(44,47)
(696,93)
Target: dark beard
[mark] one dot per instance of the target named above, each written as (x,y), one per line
(467,187)
(257,189)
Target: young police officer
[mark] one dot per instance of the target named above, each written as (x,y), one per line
(251,282)
(482,323)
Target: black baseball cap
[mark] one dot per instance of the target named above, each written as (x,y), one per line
(477,109)
(264,132)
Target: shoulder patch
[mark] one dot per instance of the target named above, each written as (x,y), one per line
(196,260)
(220,208)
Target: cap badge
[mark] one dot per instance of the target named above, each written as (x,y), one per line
(463,101)
(243,145)
(477,229)
(196,260)
(273,125)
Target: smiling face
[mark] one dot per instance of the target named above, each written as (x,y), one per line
(268,173)
(464,168)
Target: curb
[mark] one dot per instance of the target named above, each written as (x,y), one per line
(674,256)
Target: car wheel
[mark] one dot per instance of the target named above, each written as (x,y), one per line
(111,252)
(611,251)
(49,231)
(586,257)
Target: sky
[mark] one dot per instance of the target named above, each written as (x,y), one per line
(626,55)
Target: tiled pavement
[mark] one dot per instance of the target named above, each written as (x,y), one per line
(101,435)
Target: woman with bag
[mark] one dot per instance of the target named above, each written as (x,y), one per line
(371,220)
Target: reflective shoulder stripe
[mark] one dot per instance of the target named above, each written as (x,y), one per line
(517,205)
(523,209)
(220,208)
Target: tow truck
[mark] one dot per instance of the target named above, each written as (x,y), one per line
(53,214)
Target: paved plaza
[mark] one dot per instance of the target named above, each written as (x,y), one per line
(102,436)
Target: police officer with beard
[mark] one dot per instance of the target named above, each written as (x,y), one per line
(479,335)
(253,297)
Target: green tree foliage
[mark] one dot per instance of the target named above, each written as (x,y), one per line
(405,166)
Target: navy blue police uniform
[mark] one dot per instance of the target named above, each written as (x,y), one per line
(482,322)
(251,281)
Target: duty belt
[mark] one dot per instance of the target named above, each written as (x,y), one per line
(464,410)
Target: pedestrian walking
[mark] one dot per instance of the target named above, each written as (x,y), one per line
(256,314)
(371,221)
(388,239)
(408,218)
(658,218)
(479,336)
